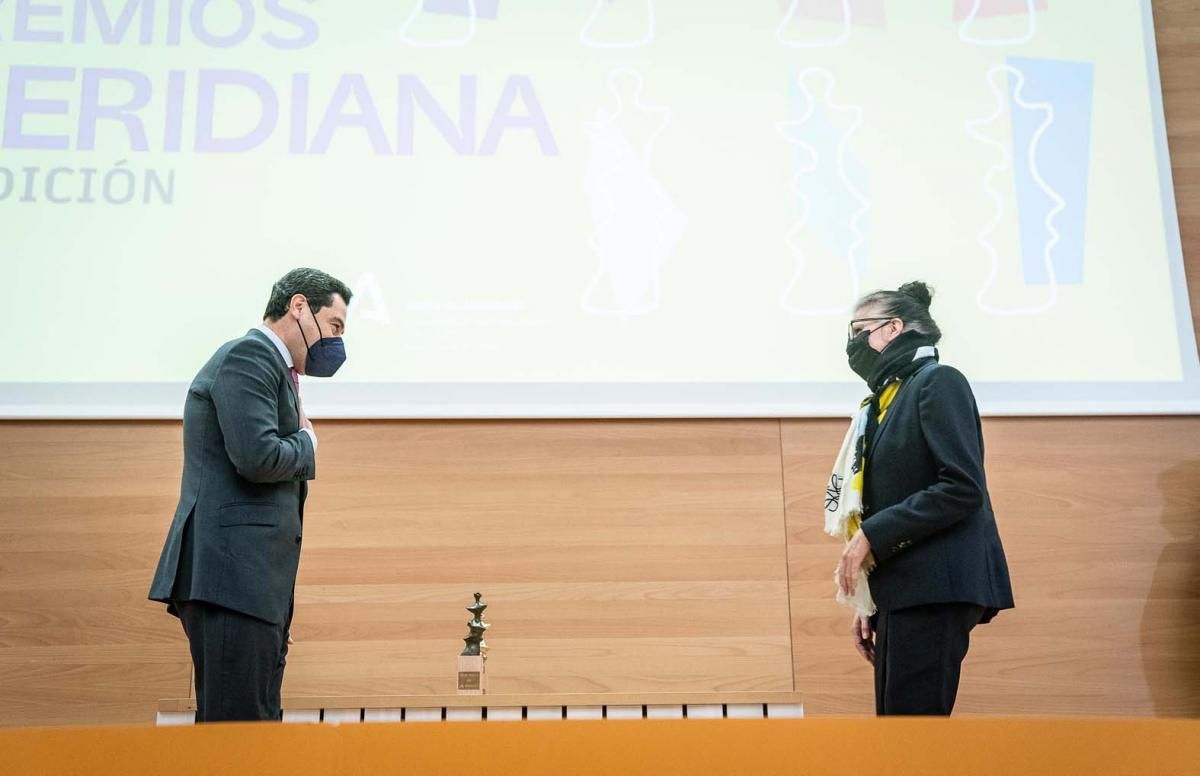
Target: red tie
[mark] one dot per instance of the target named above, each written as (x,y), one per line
(296,379)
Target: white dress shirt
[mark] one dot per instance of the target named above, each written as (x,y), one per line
(287,359)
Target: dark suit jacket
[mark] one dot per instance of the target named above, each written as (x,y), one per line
(241,505)
(926,509)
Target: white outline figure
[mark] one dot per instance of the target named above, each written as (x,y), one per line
(668,222)
(800,44)
(367,287)
(1030,30)
(651,25)
(788,130)
(1000,93)
(418,9)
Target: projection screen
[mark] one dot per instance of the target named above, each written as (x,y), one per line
(589,208)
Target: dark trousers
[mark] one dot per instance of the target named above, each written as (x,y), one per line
(238,662)
(918,657)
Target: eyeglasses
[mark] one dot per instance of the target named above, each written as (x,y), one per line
(851,332)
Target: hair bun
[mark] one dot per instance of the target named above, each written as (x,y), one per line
(917,290)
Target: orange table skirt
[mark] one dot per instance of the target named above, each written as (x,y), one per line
(1025,747)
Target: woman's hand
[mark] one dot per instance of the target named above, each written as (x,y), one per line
(864,637)
(857,555)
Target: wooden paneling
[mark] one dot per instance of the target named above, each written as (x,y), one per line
(81,523)
(617,557)
(1101,522)
(1177,27)
(622,556)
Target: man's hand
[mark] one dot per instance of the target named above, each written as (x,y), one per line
(864,637)
(857,555)
(304,421)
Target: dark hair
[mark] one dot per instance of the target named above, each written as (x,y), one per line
(909,303)
(317,286)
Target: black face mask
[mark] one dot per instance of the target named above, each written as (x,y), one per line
(325,355)
(861,356)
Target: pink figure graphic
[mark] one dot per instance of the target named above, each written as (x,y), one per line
(989,8)
(865,13)
(824,23)
(998,14)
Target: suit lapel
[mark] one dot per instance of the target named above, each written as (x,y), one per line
(901,394)
(279,362)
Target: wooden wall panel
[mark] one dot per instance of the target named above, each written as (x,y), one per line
(636,556)
(615,556)
(1177,27)
(81,524)
(1101,522)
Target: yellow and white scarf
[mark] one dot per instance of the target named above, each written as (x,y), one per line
(844,493)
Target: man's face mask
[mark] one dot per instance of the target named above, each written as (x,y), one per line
(325,355)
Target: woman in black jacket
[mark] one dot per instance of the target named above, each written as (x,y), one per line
(928,536)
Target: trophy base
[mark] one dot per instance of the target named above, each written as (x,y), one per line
(472,675)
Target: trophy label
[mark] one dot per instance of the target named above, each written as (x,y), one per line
(468,680)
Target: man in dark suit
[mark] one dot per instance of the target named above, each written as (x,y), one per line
(228,568)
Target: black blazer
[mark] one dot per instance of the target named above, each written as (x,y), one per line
(245,469)
(926,509)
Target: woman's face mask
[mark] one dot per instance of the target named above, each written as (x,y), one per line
(859,353)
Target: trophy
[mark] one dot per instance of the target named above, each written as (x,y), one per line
(472,662)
